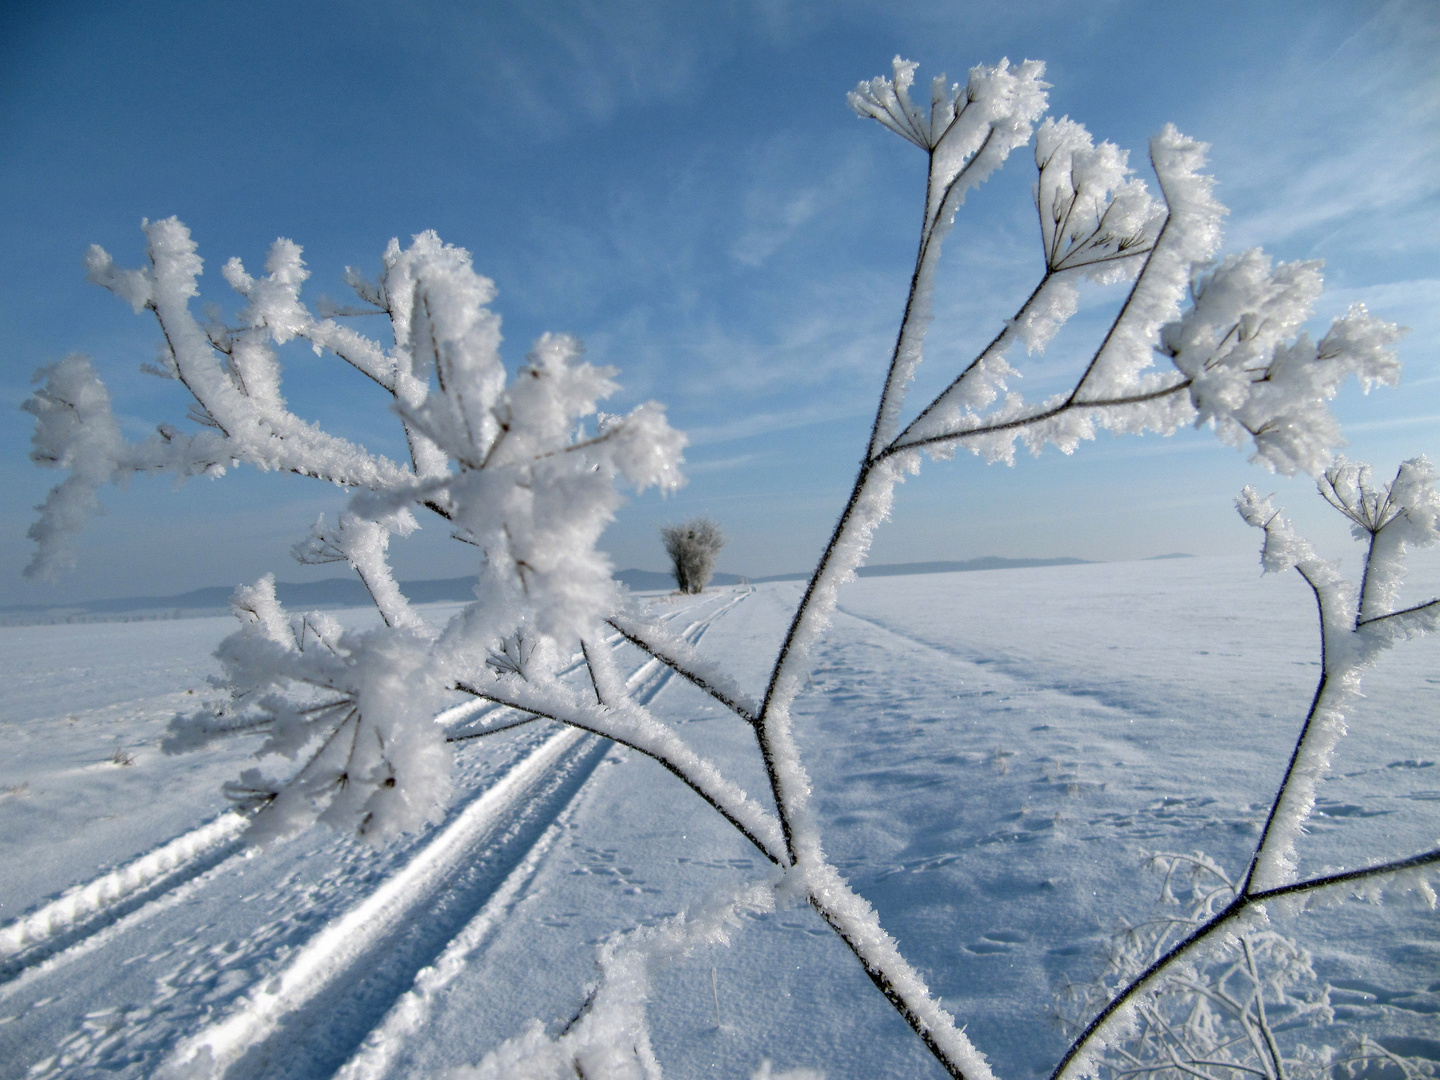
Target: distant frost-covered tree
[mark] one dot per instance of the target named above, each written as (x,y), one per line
(693,548)
(522,469)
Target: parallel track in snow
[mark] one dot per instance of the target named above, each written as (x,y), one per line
(349,979)
(370,968)
(87,909)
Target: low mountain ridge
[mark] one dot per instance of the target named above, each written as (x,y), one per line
(344,592)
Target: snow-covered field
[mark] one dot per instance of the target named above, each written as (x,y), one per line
(995,754)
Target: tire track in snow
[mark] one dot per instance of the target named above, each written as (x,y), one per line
(87,909)
(412,1009)
(408,1015)
(351,966)
(373,971)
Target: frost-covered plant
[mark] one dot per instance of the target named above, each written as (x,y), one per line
(513,466)
(1166,998)
(1241,1010)
(693,548)
(508,464)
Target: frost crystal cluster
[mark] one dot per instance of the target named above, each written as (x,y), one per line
(508,465)
(522,468)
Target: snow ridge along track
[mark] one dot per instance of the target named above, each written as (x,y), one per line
(88,908)
(84,910)
(370,970)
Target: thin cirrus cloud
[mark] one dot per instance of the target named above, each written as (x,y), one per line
(1357,139)
(783,199)
(697,468)
(757,424)
(683,186)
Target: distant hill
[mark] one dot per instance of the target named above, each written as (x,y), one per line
(344,592)
(644,580)
(989,562)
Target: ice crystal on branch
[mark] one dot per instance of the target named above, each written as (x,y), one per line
(506,463)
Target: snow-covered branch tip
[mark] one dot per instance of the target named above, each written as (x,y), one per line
(459,412)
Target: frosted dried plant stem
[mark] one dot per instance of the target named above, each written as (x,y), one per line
(1356,625)
(526,472)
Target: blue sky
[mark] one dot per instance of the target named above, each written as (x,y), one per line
(683,186)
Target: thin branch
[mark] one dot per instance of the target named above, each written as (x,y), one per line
(1264,1023)
(1394,614)
(494,730)
(650,648)
(1232,910)
(980,357)
(669,766)
(1249,879)
(1031,419)
(1125,308)
(885,986)
(1327,880)
(927,236)
(590,669)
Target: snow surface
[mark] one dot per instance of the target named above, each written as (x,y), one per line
(994,754)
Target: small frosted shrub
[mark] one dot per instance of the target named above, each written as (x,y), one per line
(692,548)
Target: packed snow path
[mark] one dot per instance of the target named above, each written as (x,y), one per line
(994,753)
(405,906)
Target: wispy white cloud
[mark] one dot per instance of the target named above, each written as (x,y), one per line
(1342,149)
(769,423)
(696,468)
(776,207)
(1395,422)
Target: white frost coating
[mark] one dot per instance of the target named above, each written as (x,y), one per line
(75,429)
(382,764)
(1404,513)
(332,953)
(1190,235)
(1097,222)
(540,494)
(231,372)
(968,136)
(132,286)
(852,915)
(241,396)
(1236,366)
(630,724)
(1095,216)
(1390,518)
(1249,383)
(363,544)
(854,536)
(508,463)
(685,659)
(611,1039)
(1284,549)
(871,506)
(969,132)
(85,900)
